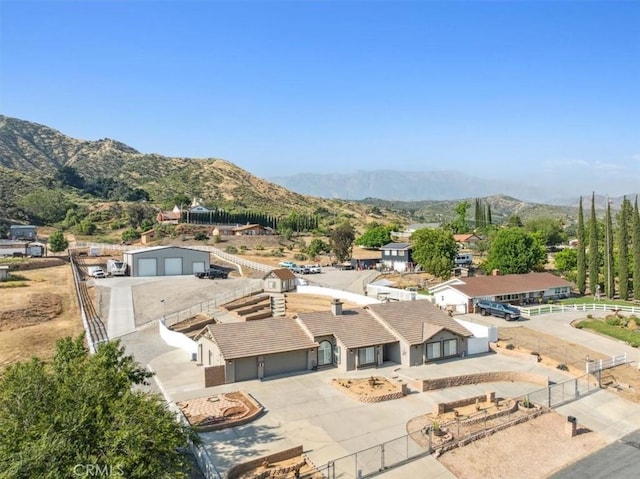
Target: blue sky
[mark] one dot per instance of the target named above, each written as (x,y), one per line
(531,90)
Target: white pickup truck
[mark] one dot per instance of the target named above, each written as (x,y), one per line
(96,272)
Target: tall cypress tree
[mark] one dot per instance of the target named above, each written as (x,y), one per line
(581,278)
(489,215)
(635,242)
(623,251)
(610,281)
(593,248)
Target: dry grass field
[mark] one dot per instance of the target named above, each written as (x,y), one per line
(33,315)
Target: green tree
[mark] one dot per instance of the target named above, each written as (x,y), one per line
(581,262)
(513,250)
(316,247)
(82,410)
(550,230)
(57,242)
(594,260)
(341,241)
(434,249)
(623,249)
(460,224)
(86,227)
(514,221)
(375,236)
(130,234)
(566,260)
(610,279)
(44,206)
(635,242)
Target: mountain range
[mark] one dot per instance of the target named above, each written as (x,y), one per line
(31,155)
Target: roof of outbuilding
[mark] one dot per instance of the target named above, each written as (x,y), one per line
(355,328)
(281,273)
(416,321)
(478,286)
(258,338)
(397,246)
(158,248)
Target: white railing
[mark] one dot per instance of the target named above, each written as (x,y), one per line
(607,363)
(562,308)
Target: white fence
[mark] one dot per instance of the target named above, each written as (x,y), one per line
(600,364)
(385,293)
(562,308)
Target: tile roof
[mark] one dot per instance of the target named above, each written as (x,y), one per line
(411,320)
(397,246)
(281,273)
(477,286)
(259,337)
(355,328)
(463,238)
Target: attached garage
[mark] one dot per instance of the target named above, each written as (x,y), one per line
(283,363)
(246,369)
(166,261)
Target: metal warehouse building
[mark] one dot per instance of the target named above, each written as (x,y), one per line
(166,261)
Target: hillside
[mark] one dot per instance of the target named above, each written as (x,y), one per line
(31,155)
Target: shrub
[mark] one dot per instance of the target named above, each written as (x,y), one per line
(510,347)
(130,234)
(243,247)
(259,247)
(201,236)
(589,316)
(231,250)
(300,256)
(562,367)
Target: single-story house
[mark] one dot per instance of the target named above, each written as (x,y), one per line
(409,333)
(23,232)
(256,349)
(166,261)
(252,229)
(279,281)
(168,217)
(223,230)
(397,256)
(350,339)
(520,289)
(425,333)
(467,239)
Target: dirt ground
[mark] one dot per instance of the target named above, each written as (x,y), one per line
(34,316)
(625,380)
(534,449)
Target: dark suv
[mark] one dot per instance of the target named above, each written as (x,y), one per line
(212,273)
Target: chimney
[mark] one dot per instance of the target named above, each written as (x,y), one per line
(495,272)
(336,306)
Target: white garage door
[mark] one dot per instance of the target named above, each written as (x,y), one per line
(147,267)
(198,266)
(172,266)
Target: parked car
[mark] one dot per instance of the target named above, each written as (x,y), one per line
(212,273)
(287,264)
(495,308)
(314,268)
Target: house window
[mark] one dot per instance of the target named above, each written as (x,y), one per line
(366,356)
(336,354)
(271,284)
(450,347)
(325,352)
(434,350)
(210,357)
(394,253)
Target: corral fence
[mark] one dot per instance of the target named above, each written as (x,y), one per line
(597,365)
(457,432)
(572,308)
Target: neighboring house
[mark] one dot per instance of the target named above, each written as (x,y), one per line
(253,230)
(397,256)
(166,261)
(197,206)
(279,281)
(22,232)
(408,333)
(520,289)
(412,228)
(467,240)
(168,217)
(223,230)
(256,349)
